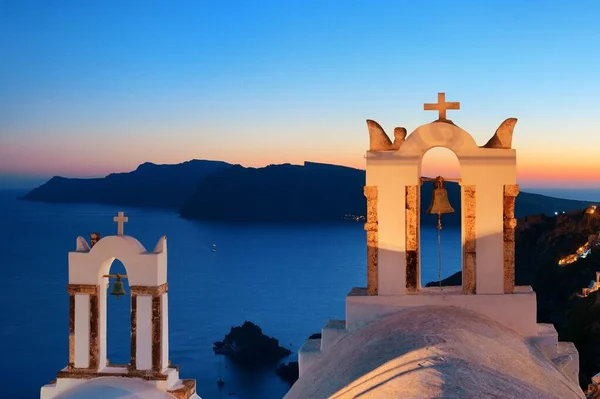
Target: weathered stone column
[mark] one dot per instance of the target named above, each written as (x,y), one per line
(510,194)
(133,326)
(94,330)
(83,326)
(371,226)
(470,239)
(148,328)
(71,330)
(413,275)
(156,333)
(164,348)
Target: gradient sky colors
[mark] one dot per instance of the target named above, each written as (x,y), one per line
(89,88)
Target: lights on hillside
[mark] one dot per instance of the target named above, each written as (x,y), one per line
(356,218)
(567,260)
(591,210)
(593,287)
(582,252)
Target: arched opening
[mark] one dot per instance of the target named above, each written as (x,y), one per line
(440,161)
(118,319)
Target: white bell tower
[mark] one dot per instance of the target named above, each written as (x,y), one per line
(88,286)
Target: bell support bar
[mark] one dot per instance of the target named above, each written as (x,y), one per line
(434,179)
(115,275)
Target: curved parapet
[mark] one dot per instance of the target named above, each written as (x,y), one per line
(121,244)
(438,134)
(379,140)
(161,245)
(82,245)
(503,136)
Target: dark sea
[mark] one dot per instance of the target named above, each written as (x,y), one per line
(288,279)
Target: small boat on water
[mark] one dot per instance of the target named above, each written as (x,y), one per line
(214,247)
(220,381)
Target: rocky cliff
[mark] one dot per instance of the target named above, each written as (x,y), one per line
(150,185)
(218,191)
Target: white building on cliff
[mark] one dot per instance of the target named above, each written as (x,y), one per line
(401,340)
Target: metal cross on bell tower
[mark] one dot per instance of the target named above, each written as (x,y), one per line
(120,220)
(442,106)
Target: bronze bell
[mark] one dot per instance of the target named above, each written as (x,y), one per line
(117,289)
(439,201)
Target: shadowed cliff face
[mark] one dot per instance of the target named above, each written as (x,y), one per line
(281,193)
(541,241)
(317,192)
(161,186)
(218,191)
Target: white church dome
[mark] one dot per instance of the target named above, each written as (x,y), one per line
(114,387)
(433,352)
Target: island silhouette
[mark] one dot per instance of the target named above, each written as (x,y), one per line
(219,191)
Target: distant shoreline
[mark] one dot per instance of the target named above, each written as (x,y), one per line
(217,191)
(575,194)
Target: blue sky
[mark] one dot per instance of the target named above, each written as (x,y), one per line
(89,88)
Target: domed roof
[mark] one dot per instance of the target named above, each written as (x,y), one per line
(114,387)
(433,352)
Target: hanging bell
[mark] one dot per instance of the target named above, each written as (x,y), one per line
(117,289)
(439,201)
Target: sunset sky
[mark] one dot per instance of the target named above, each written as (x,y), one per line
(90,88)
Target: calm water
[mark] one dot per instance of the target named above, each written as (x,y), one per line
(288,279)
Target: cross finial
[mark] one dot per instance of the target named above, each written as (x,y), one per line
(441,106)
(120,219)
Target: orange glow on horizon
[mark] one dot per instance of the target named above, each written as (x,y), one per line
(533,174)
(437,161)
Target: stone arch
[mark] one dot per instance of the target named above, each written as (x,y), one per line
(427,223)
(125,248)
(438,134)
(418,143)
(116,318)
(424,138)
(437,155)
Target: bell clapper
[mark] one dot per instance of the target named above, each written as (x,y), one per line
(439,231)
(439,205)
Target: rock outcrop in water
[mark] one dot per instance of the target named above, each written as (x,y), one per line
(248,347)
(289,372)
